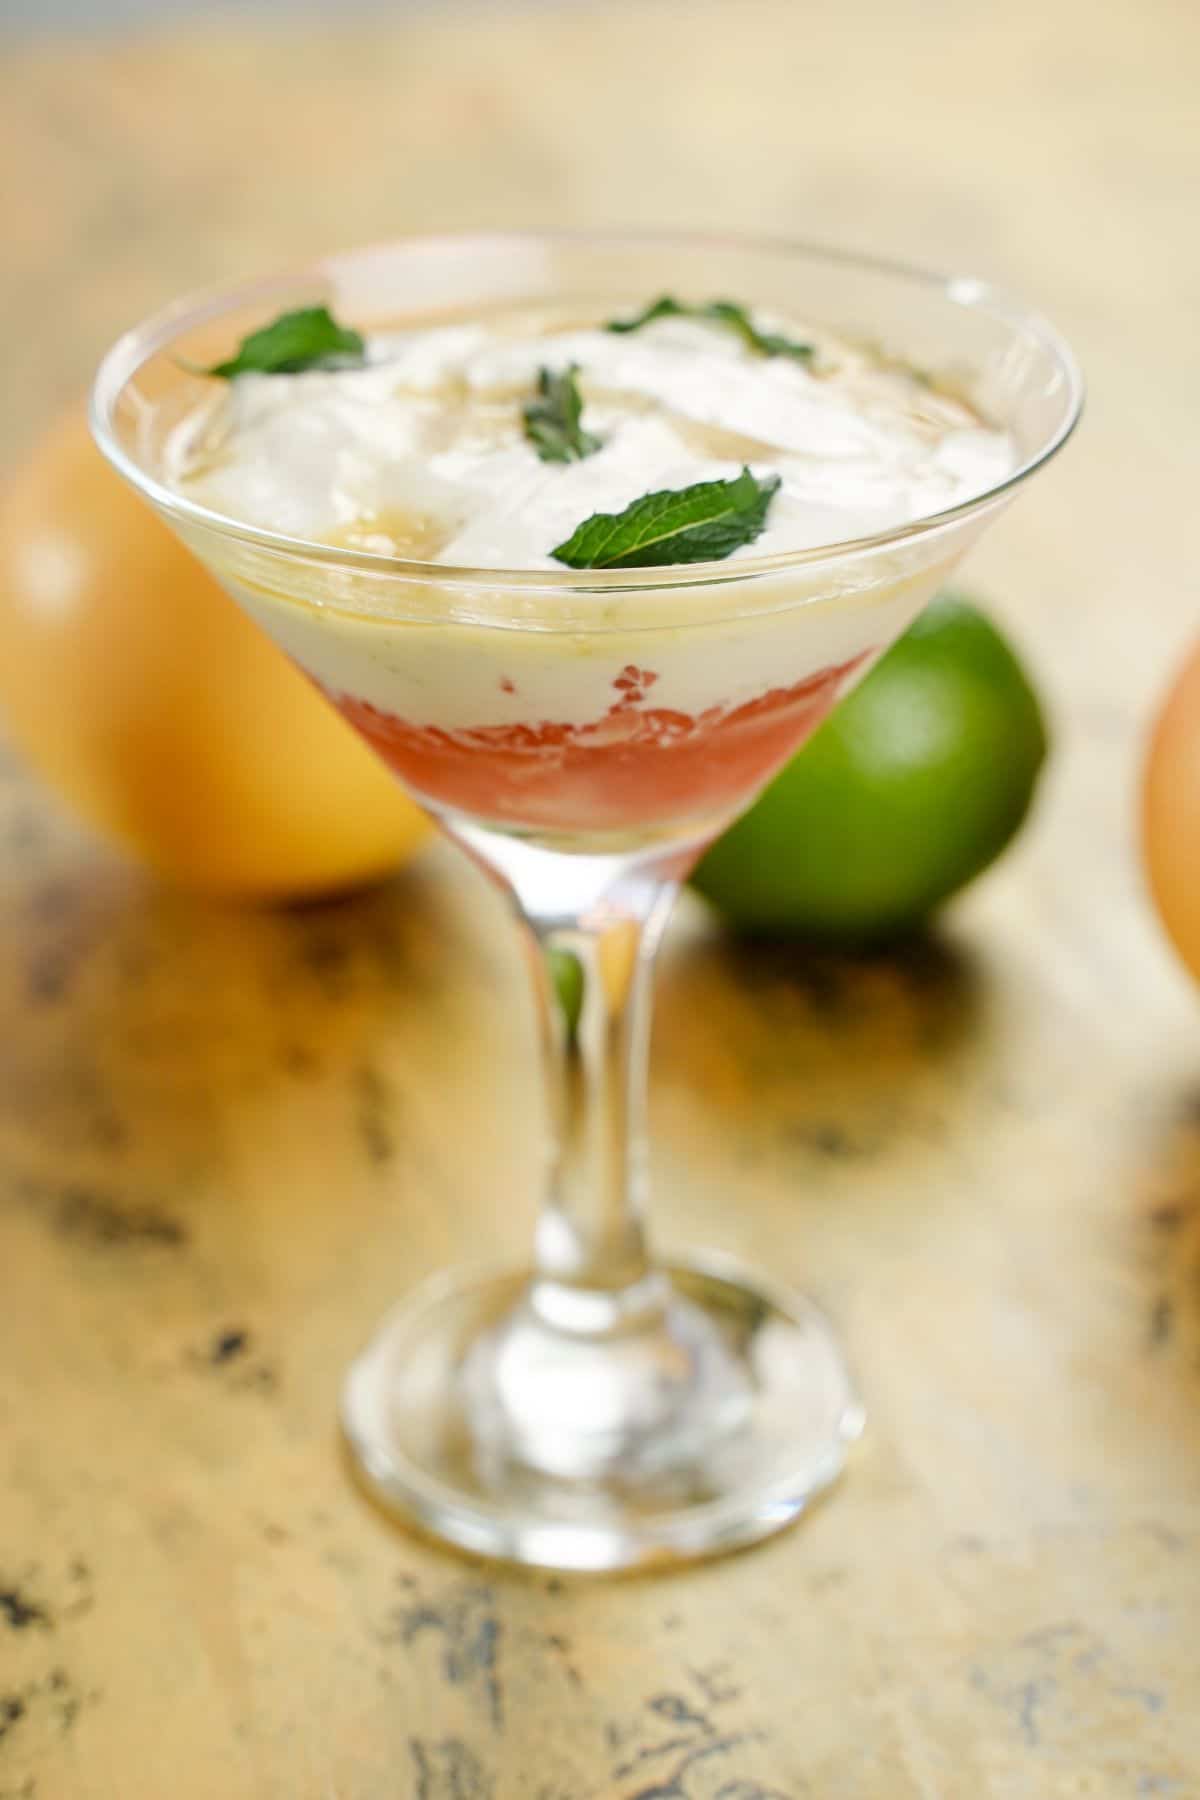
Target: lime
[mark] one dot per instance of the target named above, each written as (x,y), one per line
(915,783)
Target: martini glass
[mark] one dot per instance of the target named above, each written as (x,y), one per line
(583,735)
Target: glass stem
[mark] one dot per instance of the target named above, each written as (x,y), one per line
(593,973)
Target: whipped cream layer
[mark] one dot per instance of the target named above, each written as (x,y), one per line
(422,453)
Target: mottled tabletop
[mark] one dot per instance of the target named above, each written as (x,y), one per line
(229,1138)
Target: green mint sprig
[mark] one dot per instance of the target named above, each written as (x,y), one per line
(552,420)
(309,338)
(702,523)
(719,312)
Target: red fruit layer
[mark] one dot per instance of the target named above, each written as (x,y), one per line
(638,765)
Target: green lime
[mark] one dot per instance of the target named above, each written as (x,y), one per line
(915,784)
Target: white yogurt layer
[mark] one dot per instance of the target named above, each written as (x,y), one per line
(422,451)
(460,678)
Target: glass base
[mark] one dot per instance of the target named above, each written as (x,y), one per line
(703,1425)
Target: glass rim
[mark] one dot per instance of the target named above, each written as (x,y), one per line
(154,333)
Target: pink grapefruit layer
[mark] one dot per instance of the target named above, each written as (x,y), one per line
(637,765)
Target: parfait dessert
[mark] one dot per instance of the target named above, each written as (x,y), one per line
(586,536)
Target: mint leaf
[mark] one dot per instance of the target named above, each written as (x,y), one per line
(767,343)
(310,338)
(665,307)
(552,420)
(719,312)
(703,523)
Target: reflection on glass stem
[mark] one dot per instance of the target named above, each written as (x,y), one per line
(593,974)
